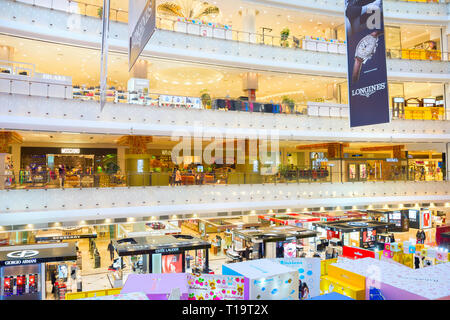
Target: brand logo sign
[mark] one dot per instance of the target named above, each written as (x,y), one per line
(369,90)
(167,250)
(22,254)
(70,151)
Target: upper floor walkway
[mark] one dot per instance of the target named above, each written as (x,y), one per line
(46,206)
(189,41)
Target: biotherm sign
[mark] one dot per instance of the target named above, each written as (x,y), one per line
(366,55)
(356,253)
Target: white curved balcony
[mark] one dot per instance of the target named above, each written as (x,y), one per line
(22,112)
(19,207)
(55,25)
(395,11)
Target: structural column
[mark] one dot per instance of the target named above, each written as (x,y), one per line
(250,84)
(249,24)
(137,160)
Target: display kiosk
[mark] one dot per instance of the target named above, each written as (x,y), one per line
(166,253)
(272,241)
(23,270)
(356,232)
(269,280)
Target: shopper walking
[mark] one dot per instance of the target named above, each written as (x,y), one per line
(62,175)
(178,177)
(111,250)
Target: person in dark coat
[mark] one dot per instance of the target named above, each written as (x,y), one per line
(111,250)
(53,280)
(247,253)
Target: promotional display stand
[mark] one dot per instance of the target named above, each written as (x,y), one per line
(397,282)
(23,270)
(268,280)
(166,253)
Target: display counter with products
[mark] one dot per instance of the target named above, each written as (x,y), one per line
(356,232)
(28,272)
(399,282)
(272,241)
(166,253)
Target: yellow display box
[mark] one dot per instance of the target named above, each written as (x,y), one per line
(91,294)
(421,54)
(344,282)
(324,266)
(424,113)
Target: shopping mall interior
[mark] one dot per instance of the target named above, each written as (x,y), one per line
(221,164)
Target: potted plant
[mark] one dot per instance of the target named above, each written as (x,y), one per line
(100,12)
(206,99)
(284,37)
(289,102)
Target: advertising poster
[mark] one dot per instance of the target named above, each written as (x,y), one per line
(290,249)
(309,275)
(172,263)
(217,287)
(366,54)
(369,236)
(426,219)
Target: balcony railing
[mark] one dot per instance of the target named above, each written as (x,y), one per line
(49,180)
(79,7)
(299,42)
(214,30)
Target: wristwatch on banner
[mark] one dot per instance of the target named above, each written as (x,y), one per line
(364,51)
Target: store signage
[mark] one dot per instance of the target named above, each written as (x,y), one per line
(167,250)
(366,54)
(22,254)
(69,237)
(70,151)
(145,27)
(391,160)
(357,224)
(356,253)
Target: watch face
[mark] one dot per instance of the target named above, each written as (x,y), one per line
(366,47)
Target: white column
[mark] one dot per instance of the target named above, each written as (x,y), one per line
(140,69)
(7,53)
(444,43)
(447,100)
(249,24)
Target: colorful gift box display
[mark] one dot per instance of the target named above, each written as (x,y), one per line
(217,287)
(268,279)
(398,282)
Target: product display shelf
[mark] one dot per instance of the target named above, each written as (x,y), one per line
(344,282)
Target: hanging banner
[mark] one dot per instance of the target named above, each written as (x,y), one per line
(143,31)
(366,53)
(104,54)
